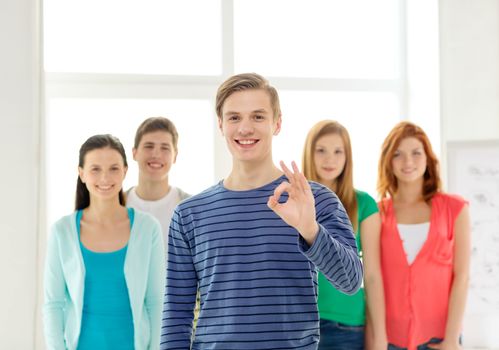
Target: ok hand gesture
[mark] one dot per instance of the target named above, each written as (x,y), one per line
(299,210)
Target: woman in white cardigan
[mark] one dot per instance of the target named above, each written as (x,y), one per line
(104,273)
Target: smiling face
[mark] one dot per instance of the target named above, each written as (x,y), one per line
(248,125)
(329,158)
(103,173)
(409,161)
(155,155)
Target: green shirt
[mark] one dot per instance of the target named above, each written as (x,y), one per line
(334,305)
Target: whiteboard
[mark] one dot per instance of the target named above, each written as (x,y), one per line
(473,172)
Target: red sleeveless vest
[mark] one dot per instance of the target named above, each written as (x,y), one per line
(417,295)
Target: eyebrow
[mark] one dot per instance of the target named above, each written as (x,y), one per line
(99,165)
(154,143)
(260,110)
(317,143)
(410,150)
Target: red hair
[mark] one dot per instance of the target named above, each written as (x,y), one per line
(387,182)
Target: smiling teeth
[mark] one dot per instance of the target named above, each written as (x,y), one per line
(246,142)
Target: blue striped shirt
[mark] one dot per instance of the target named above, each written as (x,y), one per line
(256,276)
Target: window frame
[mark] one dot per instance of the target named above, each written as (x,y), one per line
(125,86)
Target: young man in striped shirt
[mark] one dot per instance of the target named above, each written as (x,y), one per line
(251,243)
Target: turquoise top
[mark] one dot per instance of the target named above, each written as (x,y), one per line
(107,321)
(64,283)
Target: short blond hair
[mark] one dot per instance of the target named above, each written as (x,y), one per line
(247,81)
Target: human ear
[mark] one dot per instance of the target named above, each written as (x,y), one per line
(277,125)
(80,174)
(220,125)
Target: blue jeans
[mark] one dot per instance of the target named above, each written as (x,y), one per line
(338,336)
(423,346)
(420,347)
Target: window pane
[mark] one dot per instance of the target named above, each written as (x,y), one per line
(71,121)
(130,36)
(317,38)
(368,117)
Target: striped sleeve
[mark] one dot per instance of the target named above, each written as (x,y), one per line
(180,290)
(334,251)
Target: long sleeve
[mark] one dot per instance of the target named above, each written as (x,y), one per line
(155,286)
(55,296)
(334,251)
(257,287)
(180,290)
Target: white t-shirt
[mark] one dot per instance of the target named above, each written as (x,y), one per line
(413,237)
(162,209)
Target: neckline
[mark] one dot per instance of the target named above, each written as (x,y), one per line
(426,244)
(79,215)
(117,251)
(415,225)
(166,198)
(261,188)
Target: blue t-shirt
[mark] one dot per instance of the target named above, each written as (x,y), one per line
(107,321)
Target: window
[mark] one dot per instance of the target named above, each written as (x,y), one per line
(367,115)
(71,121)
(355,39)
(133,37)
(111,64)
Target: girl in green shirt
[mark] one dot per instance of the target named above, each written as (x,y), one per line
(327,159)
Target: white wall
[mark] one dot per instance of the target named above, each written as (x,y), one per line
(19,135)
(469,72)
(422,47)
(469,52)
(469,90)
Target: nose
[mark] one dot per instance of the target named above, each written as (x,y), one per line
(327,157)
(104,176)
(245,127)
(155,151)
(407,159)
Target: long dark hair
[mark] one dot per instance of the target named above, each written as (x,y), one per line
(96,142)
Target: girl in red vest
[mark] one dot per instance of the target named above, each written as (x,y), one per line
(425,245)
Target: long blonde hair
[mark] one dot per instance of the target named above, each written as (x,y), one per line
(344,183)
